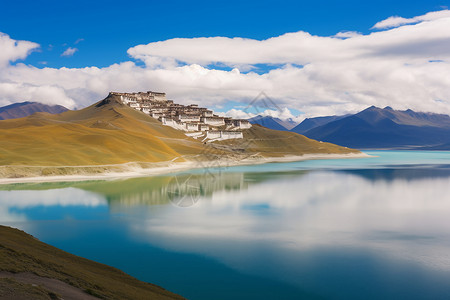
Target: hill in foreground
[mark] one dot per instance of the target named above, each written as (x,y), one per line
(24,109)
(383,128)
(109,133)
(57,274)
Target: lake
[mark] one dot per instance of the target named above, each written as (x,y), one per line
(369,228)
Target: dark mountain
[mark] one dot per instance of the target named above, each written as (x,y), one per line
(288,123)
(378,128)
(445,146)
(310,123)
(273,123)
(24,109)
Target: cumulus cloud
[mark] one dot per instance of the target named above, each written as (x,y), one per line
(417,43)
(404,67)
(12,50)
(69,51)
(283,114)
(347,34)
(20,92)
(396,21)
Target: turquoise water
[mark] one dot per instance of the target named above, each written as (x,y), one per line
(371,228)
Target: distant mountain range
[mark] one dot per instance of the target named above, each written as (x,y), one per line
(24,109)
(273,123)
(381,128)
(310,123)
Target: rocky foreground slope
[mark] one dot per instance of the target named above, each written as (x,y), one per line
(30,269)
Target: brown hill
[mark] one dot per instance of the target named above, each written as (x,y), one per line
(24,109)
(107,132)
(110,132)
(270,143)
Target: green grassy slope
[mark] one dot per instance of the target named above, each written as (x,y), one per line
(20,252)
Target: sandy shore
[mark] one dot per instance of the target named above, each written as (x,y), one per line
(131,170)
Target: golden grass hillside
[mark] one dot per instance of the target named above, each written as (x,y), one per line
(110,133)
(21,253)
(274,143)
(107,132)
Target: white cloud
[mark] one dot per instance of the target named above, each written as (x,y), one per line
(347,34)
(20,92)
(403,67)
(396,21)
(283,114)
(409,44)
(69,51)
(237,114)
(12,50)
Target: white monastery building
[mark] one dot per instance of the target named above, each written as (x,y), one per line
(194,120)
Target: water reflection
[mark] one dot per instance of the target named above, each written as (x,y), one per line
(379,232)
(14,205)
(149,191)
(325,225)
(409,172)
(316,209)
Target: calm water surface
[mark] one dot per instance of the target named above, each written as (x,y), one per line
(372,228)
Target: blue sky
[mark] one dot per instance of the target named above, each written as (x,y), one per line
(106,29)
(288,49)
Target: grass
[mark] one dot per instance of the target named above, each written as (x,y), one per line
(21,252)
(111,133)
(105,133)
(275,143)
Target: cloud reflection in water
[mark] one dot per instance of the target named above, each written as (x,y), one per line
(399,219)
(13,203)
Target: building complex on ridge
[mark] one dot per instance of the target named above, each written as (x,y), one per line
(195,121)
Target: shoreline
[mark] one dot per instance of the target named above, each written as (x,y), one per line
(134,170)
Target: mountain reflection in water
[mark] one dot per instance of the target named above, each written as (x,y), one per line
(359,232)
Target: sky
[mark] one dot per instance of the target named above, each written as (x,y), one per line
(308,58)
